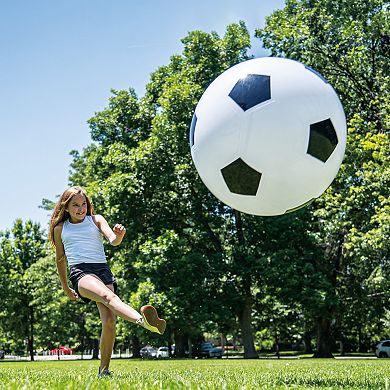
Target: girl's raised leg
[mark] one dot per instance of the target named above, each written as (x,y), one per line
(93,288)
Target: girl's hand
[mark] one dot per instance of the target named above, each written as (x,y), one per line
(71,294)
(119,230)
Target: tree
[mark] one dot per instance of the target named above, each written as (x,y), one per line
(20,248)
(57,320)
(156,177)
(346,41)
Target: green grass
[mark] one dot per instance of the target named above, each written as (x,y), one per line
(199,374)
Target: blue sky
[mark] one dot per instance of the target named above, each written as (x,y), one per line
(59,61)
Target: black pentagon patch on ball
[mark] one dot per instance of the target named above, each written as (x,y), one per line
(192,130)
(241,178)
(251,90)
(323,140)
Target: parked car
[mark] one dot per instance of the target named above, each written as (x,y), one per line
(162,353)
(383,349)
(61,351)
(207,350)
(148,352)
(2,354)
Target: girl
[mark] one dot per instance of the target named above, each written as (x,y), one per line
(76,232)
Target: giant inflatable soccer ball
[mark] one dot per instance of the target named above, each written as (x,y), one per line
(268,136)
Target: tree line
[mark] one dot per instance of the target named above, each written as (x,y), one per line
(318,276)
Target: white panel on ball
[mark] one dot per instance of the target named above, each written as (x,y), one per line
(268,136)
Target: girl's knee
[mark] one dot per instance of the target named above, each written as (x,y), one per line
(109,297)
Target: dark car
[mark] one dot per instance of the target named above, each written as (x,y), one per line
(207,350)
(148,352)
(2,354)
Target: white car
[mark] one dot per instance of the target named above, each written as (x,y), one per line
(162,353)
(383,349)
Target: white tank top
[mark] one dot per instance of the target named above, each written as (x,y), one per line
(83,242)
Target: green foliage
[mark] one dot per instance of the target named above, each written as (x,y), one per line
(34,309)
(119,122)
(20,248)
(57,320)
(347,41)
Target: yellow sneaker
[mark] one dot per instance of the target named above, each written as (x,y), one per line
(151,320)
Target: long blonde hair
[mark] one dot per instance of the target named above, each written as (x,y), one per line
(60,214)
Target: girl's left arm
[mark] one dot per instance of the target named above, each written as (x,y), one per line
(115,235)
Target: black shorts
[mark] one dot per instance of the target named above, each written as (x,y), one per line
(101,270)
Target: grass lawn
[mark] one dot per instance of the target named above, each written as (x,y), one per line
(199,374)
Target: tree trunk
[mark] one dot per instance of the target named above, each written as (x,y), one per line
(189,345)
(181,342)
(135,347)
(307,342)
(324,339)
(224,342)
(277,347)
(245,314)
(31,333)
(170,349)
(95,351)
(342,349)
(245,320)
(359,338)
(82,334)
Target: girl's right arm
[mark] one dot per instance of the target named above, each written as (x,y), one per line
(61,263)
